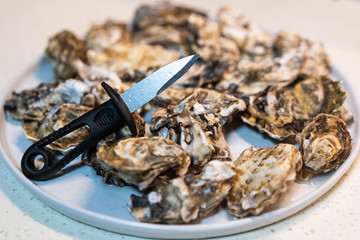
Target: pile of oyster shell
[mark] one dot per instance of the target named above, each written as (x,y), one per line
(279,84)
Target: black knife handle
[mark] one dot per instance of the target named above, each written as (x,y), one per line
(102,121)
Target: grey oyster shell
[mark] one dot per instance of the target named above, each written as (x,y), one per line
(138,161)
(34,104)
(324,144)
(64,50)
(187,198)
(262,175)
(196,124)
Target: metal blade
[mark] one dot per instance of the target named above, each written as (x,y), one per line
(154,84)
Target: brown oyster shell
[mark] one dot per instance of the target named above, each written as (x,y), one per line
(324,144)
(185,199)
(138,161)
(63,51)
(102,36)
(262,176)
(283,112)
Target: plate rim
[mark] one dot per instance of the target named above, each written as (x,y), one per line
(187,231)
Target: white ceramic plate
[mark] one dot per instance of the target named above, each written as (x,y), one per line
(82,195)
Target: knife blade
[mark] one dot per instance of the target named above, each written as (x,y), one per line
(102,120)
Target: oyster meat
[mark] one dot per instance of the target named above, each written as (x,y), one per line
(262,175)
(324,144)
(187,198)
(138,161)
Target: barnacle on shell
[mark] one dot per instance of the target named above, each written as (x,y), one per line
(324,144)
(262,175)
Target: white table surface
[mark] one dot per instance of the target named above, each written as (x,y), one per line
(25,27)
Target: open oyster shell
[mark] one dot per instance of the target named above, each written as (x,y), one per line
(262,176)
(324,144)
(185,199)
(196,124)
(138,161)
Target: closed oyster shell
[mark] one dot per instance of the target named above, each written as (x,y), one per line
(324,144)
(57,118)
(102,36)
(138,161)
(196,124)
(283,112)
(185,199)
(262,176)
(249,37)
(64,50)
(34,104)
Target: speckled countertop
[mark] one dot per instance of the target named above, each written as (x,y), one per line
(25,27)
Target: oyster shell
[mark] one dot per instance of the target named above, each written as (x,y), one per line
(283,112)
(57,118)
(103,36)
(249,37)
(324,144)
(262,176)
(163,24)
(64,50)
(34,104)
(196,124)
(138,161)
(185,199)
(316,61)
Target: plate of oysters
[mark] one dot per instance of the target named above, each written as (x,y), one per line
(257,129)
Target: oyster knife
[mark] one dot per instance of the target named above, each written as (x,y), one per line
(102,120)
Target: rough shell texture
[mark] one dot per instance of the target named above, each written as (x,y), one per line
(185,199)
(138,161)
(57,118)
(249,37)
(101,37)
(284,111)
(262,176)
(63,51)
(324,144)
(132,60)
(196,124)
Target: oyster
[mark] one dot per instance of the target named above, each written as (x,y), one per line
(284,111)
(185,199)
(34,104)
(253,42)
(103,36)
(64,51)
(132,61)
(324,144)
(163,24)
(196,124)
(57,118)
(316,61)
(138,161)
(262,175)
